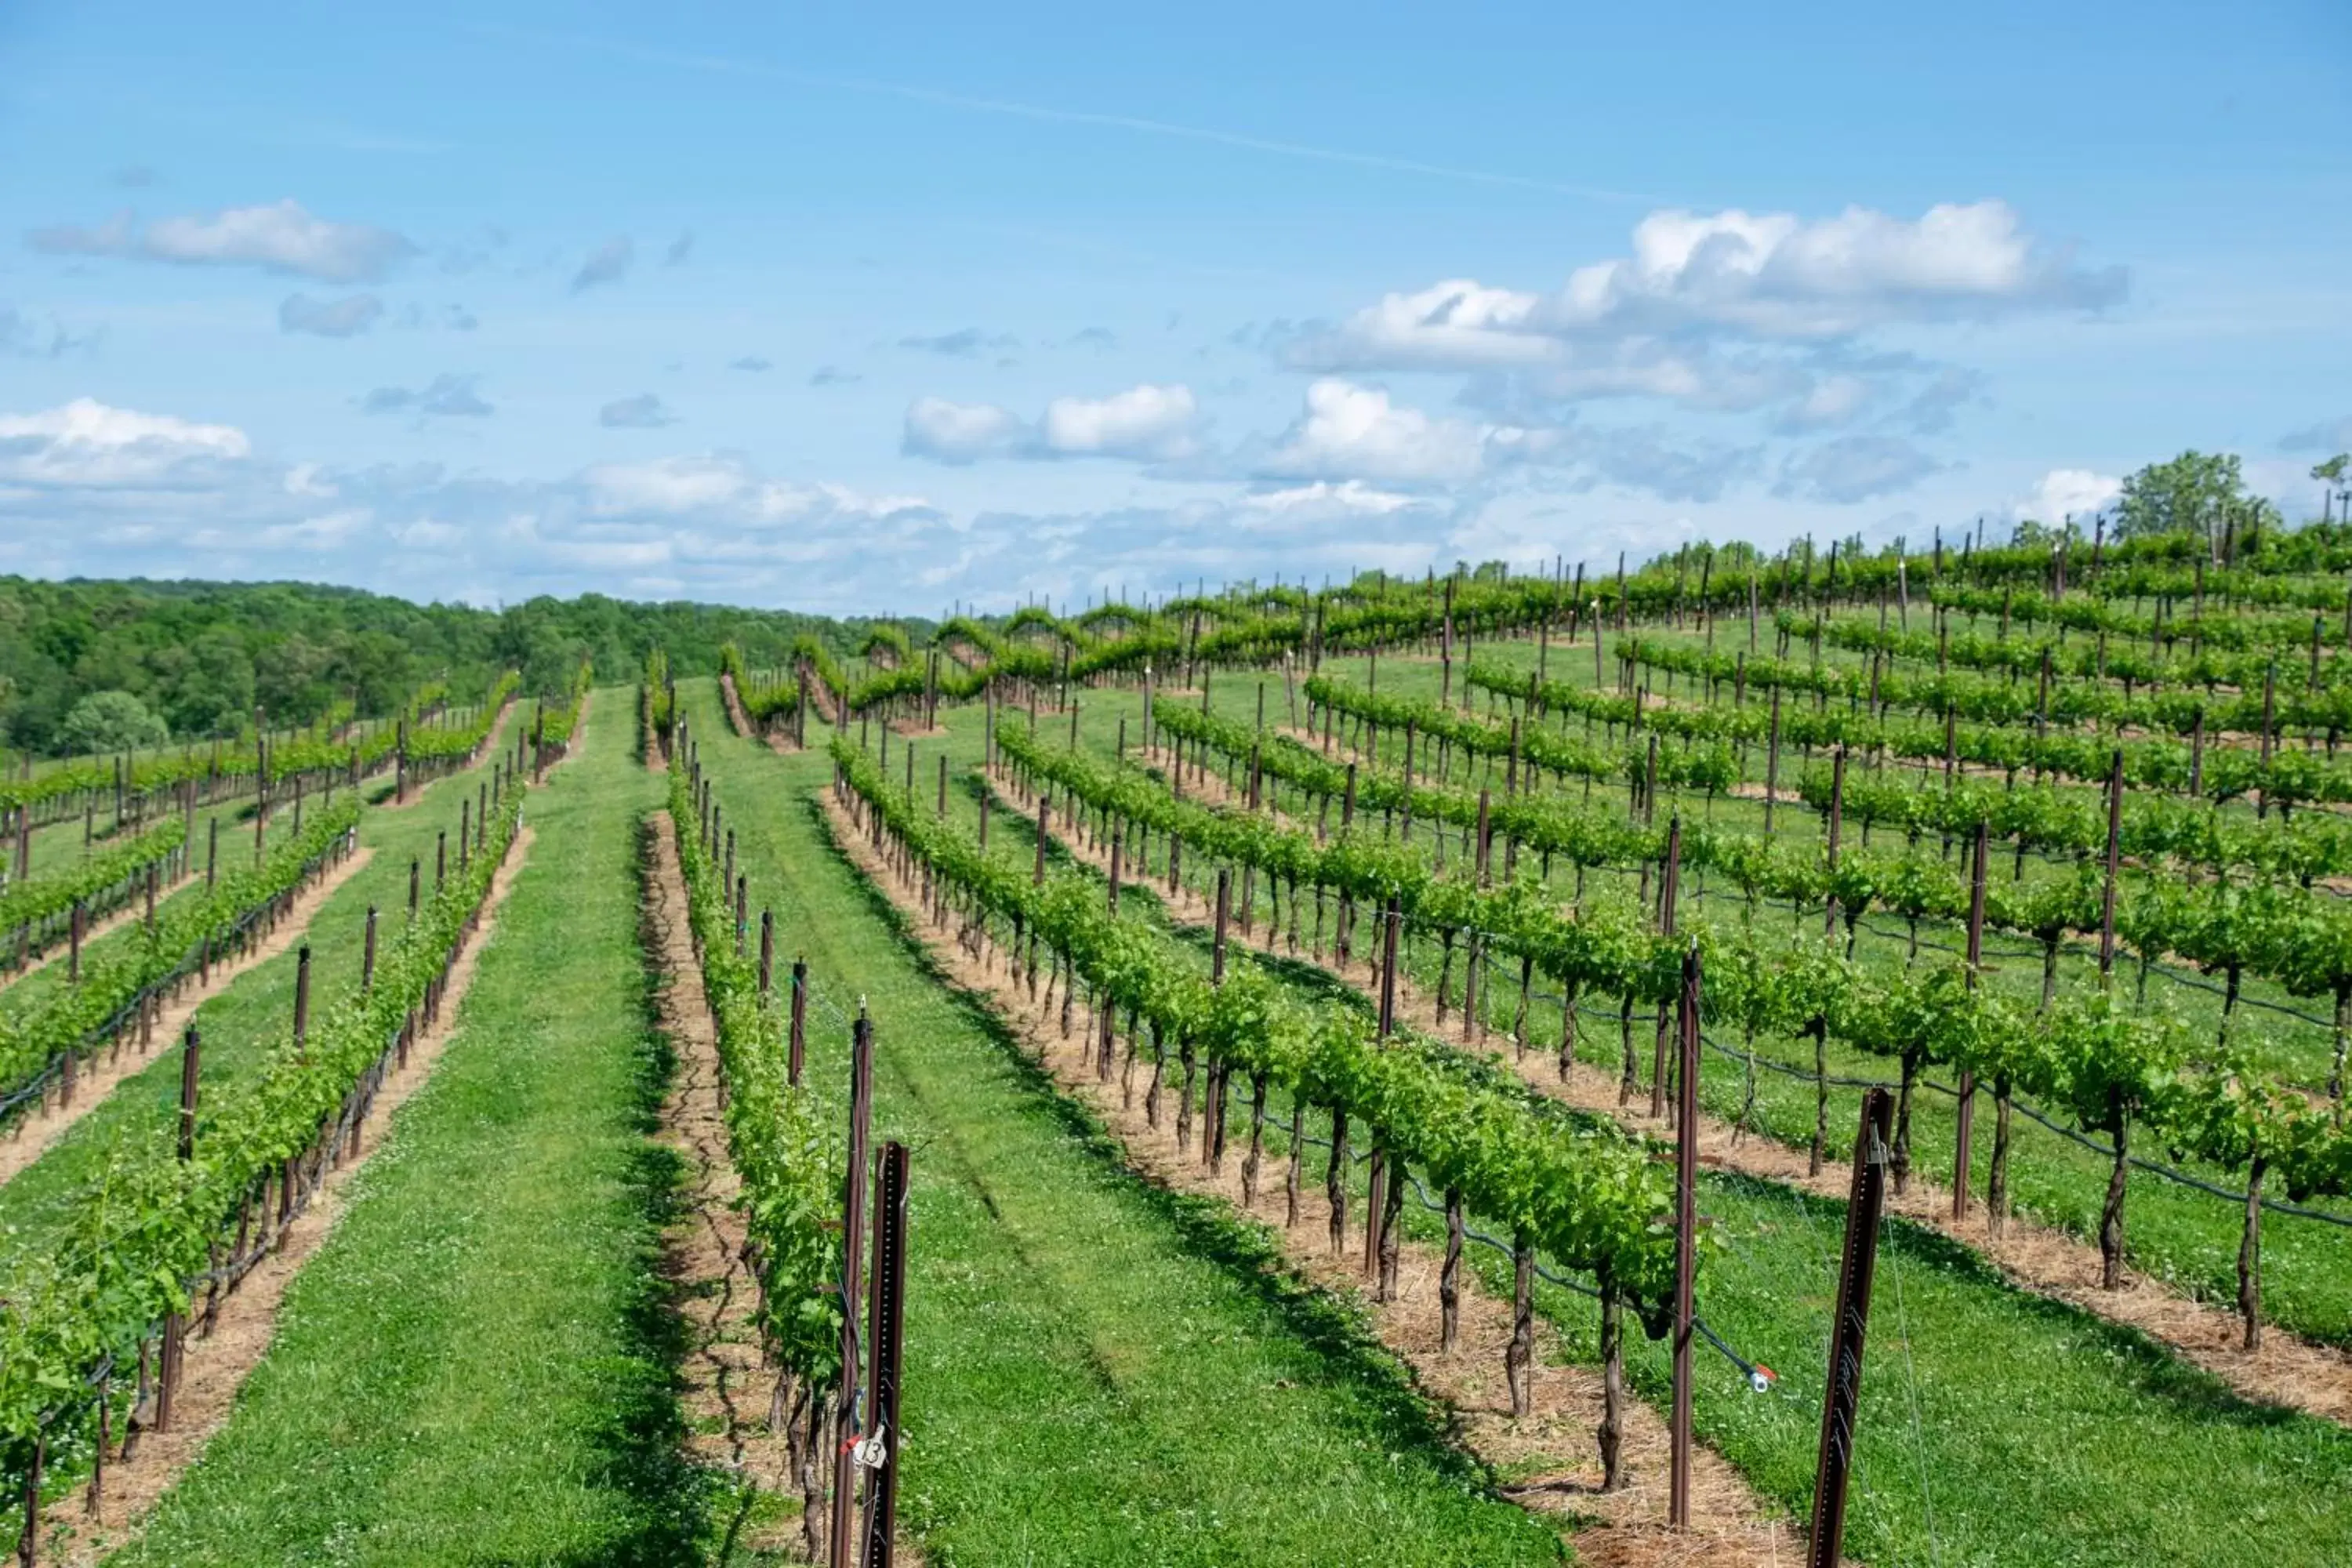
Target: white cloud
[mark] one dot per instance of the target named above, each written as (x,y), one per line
(1777,275)
(1355,432)
(1731,311)
(725,485)
(1144,422)
(2064,492)
(328,317)
(1323,497)
(88,443)
(959,432)
(280,238)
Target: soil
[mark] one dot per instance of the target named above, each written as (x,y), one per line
(728,1384)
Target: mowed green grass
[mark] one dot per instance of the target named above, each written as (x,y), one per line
(1997,1427)
(476,1367)
(256,1009)
(1097,1372)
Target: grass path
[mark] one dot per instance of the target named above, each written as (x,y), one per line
(1098,1371)
(476,1368)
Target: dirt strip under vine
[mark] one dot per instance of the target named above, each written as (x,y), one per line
(727,1383)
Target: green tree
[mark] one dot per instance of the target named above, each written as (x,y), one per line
(110,722)
(2192,493)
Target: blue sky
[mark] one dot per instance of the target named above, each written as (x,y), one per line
(808,307)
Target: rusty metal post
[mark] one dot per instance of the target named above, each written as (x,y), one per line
(1217,941)
(853,1287)
(303,1002)
(796,1048)
(767,952)
(1118,851)
(367,956)
(1686,1241)
(175,1325)
(1842,1397)
(1389,970)
(887,1339)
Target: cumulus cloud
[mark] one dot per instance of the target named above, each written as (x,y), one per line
(1356,432)
(448,395)
(1730,311)
(283,237)
(960,433)
(645,412)
(85,443)
(341,318)
(1349,497)
(2068,492)
(834,375)
(1855,469)
(1768,277)
(751,363)
(608,263)
(968,343)
(136,177)
(679,249)
(1102,339)
(1146,423)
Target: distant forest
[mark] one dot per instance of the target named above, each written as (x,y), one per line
(201,655)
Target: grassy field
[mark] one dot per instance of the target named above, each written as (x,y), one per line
(1098,1371)
(2107,1450)
(257,1008)
(477,1366)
